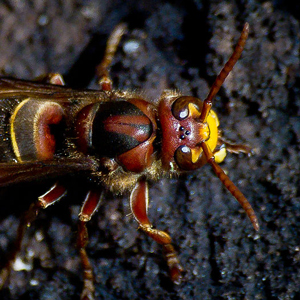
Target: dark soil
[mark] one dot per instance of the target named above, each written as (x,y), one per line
(181,45)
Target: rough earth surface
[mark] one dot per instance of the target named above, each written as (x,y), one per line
(180,45)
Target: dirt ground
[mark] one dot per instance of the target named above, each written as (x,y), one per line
(178,45)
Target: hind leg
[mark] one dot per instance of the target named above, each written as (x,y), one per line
(55,193)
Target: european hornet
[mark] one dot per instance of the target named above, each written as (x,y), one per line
(117,138)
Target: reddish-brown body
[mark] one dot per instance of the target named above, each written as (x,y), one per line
(118,139)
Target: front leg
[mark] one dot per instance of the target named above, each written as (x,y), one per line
(139,200)
(235,148)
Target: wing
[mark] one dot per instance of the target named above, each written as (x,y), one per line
(11,173)
(17,88)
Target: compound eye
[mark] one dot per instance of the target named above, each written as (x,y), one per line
(183,157)
(187,158)
(185,106)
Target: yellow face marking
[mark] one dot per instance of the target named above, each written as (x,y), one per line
(193,111)
(215,117)
(12,130)
(204,132)
(195,154)
(220,155)
(213,123)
